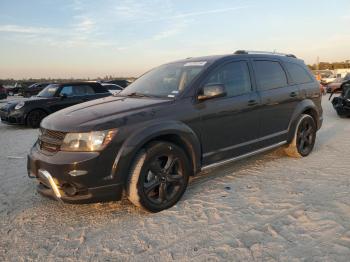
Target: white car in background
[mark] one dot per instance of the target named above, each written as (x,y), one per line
(113,88)
(329,79)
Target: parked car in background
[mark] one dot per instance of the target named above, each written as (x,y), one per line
(342,103)
(51,99)
(13,90)
(3,92)
(33,89)
(171,123)
(113,88)
(120,82)
(328,79)
(336,85)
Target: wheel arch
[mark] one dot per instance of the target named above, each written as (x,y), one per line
(172,131)
(34,109)
(305,107)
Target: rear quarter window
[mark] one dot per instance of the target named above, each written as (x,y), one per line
(298,73)
(269,75)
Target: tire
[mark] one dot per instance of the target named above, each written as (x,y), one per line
(158,176)
(304,138)
(35,117)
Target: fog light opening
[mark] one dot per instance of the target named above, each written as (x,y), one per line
(69,190)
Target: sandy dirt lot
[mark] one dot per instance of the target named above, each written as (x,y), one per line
(266,208)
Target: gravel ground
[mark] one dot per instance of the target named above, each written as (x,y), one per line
(266,208)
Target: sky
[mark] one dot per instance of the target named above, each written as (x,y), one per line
(90,38)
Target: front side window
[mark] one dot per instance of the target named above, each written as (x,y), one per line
(298,73)
(234,76)
(165,81)
(67,91)
(269,75)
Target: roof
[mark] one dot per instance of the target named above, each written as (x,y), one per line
(79,83)
(241,54)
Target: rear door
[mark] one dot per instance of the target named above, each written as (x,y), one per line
(229,124)
(278,100)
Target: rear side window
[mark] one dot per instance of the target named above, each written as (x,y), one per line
(77,90)
(83,90)
(269,75)
(298,73)
(235,76)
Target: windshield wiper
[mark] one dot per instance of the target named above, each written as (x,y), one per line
(136,94)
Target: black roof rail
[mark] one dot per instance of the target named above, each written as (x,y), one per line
(246,52)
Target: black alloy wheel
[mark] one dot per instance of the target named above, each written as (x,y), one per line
(164,179)
(159,176)
(306,135)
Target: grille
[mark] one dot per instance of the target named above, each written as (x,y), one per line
(50,140)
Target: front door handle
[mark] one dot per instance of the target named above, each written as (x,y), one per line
(252,102)
(293,94)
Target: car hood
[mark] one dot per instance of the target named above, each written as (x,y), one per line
(99,114)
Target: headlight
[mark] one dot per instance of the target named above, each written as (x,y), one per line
(87,142)
(19,105)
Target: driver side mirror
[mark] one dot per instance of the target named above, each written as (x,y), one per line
(63,96)
(212,91)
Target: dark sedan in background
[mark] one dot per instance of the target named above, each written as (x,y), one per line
(51,99)
(33,89)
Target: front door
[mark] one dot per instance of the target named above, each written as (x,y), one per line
(229,125)
(68,96)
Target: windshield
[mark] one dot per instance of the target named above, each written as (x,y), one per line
(48,91)
(165,81)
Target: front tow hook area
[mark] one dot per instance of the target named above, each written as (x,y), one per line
(50,182)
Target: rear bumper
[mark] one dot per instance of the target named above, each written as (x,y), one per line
(55,179)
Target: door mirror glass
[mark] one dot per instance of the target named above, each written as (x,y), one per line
(212,91)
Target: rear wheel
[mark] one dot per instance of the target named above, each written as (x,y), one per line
(158,177)
(304,137)
(35,117)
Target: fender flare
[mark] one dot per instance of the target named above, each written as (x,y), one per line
(140,138)
(306,105)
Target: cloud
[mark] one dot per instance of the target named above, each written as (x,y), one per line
(25,29)
(200,13)
(84,24)
(172,30)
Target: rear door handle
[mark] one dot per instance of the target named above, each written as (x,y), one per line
(252,102)
(293,94)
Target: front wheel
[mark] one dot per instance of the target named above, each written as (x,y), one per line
(158,176)
(304,138)
(35,117)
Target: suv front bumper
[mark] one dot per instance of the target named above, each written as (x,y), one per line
(54,174)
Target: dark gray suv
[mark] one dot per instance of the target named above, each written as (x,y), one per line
(174,121)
